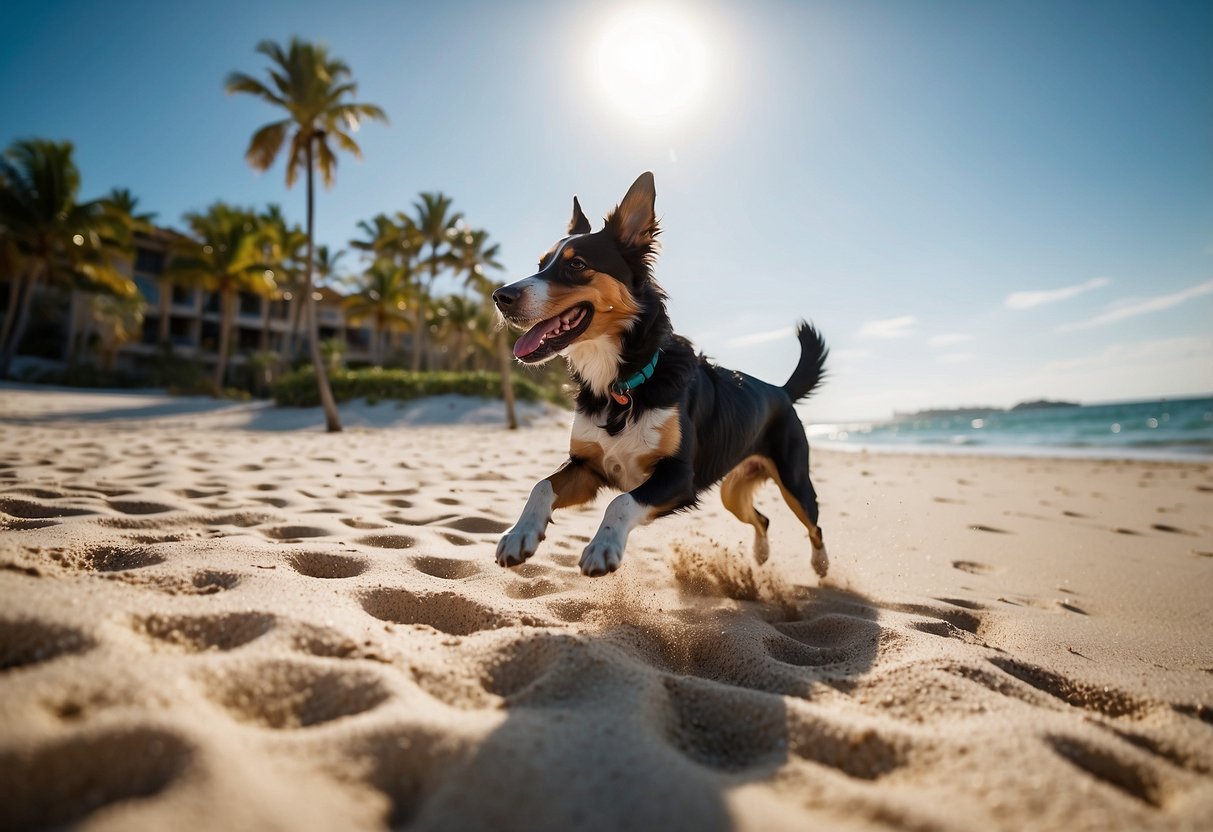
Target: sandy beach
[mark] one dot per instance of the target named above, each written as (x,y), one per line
(215,616)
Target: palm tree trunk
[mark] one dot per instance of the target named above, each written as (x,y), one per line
(20,323)
(418,327)
(226,309)
(15,285)
(332,420)
(507,386)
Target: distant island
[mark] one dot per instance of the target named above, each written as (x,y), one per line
(977,410)
(1043,404)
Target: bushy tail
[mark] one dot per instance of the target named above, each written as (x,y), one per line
(811,369)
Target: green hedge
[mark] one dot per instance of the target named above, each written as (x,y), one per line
(298,388)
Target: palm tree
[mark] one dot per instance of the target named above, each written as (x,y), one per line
(284,245)
(115,322)
(397,240)
(385,293)
(312,87)
(225,256)
(472,257)
(437,226)
(120,222)
(48,236)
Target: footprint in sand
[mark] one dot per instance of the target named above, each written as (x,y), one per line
(106,558)
(139,507)
(1163,527)
(527,590)
(444,611)
(286,694)
(991,529)
(98,769)
(973,567)
(288,533)
(1110,767)
(359,523)
(827,639)
(326,565)
(388,541)
(201,633)
(449,569)
(29,510)
(477,525)
(27,641)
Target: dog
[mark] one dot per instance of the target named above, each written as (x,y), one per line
(654,419)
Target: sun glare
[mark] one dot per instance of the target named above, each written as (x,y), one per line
(651,64)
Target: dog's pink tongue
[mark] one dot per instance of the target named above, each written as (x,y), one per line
(533,337)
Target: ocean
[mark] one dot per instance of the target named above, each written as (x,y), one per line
(1179,429)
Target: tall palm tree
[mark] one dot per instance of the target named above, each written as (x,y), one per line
(473,257)
(48,236)
(437,227)
(225,256)
(313,88)
(385,293)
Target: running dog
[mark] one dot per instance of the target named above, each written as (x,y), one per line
(654,419)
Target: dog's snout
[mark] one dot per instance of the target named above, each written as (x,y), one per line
(506,296)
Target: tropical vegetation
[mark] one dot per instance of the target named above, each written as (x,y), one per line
(420,286)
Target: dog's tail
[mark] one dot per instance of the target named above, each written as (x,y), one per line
(811,369)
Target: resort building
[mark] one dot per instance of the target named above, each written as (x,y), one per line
(187,318)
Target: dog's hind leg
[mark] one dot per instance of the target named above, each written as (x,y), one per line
(792,475)
(737,493)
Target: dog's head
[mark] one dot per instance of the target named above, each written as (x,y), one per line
(589,286)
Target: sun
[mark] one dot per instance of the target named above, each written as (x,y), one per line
(651,64)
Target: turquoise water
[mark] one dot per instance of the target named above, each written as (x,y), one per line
(1157,429)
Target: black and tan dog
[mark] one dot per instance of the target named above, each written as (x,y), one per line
(654,419)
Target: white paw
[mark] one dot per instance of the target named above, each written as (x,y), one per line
(519,543)
(821,562)
(603,555)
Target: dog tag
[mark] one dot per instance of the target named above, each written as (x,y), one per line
(621,398)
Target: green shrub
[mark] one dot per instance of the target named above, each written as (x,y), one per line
(298,388)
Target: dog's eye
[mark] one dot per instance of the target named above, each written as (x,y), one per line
(576,264)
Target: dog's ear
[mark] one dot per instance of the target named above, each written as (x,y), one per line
(578,224)
(633,222)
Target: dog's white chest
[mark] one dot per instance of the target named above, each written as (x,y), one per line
(627,459)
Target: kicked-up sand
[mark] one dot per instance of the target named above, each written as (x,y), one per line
(215,616)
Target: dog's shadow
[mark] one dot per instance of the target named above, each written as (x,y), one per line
(648,722)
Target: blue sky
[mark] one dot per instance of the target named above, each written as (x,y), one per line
(976,202)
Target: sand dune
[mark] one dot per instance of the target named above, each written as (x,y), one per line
(209,623)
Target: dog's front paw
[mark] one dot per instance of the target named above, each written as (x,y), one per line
(603,555)
(518,544)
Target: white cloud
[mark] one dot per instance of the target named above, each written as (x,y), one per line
(889,328)
(847,355)
(949,339)
(1133,307)
(956,358)
(1027,300)
(761,337)
(1164,352)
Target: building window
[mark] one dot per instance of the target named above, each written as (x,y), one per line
(149,261)
(183,296)
(150,289)
(250,304)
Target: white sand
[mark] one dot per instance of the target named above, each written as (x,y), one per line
(217,616)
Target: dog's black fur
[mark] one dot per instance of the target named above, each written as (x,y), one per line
(729,423)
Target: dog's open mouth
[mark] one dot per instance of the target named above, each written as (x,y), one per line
(548,337)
